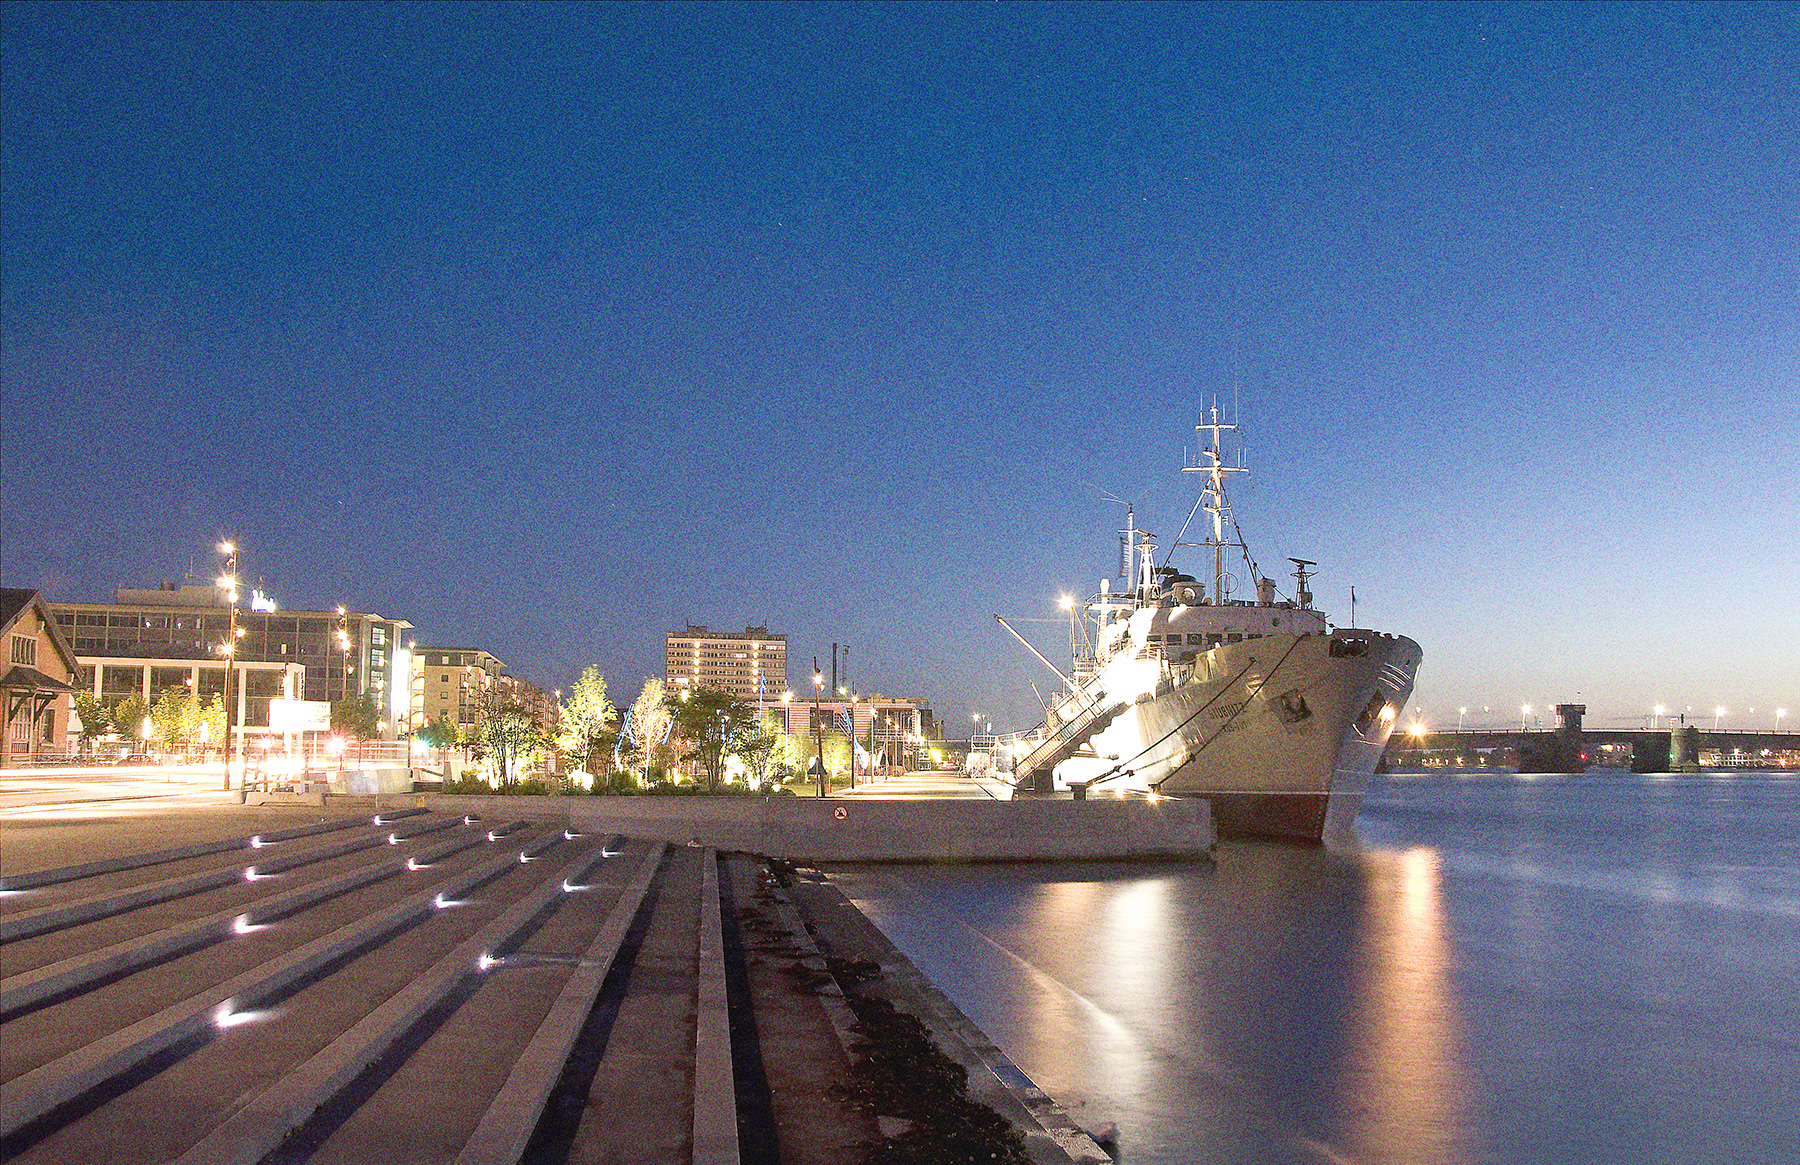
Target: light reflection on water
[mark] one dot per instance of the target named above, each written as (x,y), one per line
(1510,971)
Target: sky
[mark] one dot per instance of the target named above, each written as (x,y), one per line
(553,328)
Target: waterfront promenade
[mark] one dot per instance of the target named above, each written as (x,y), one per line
(189,979)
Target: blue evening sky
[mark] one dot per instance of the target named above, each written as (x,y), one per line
(551,328)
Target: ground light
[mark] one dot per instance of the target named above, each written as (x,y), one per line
(225,1017)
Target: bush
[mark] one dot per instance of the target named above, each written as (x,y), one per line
(468,785)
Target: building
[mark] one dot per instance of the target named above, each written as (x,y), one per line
(450,681)
(890,730)
(36,682)
(147,640)
(746,664)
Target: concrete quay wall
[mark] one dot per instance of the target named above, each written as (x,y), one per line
(868,829)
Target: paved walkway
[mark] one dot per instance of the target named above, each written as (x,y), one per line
(947,783)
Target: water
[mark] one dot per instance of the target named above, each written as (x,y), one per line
(1603,968)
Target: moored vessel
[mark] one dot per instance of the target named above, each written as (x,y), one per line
(1179,688)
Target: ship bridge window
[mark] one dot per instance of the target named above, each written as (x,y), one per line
(1196,640)
(1234,637)
(1342,648)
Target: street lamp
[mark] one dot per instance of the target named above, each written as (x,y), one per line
(1779,713)
(343,638)
(1717,712)
(1524,711)
(1460,713)
(819,723)
(228,583)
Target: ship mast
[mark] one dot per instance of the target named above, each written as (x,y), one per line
(1213,496)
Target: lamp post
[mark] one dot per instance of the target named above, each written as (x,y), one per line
(228,582)
(853,703)
(1717,712)
(1524,711)
(819,723)
(343,638)
(1460,713)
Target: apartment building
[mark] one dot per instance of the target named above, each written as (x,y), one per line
(449,681)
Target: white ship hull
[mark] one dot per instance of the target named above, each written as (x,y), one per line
(1280,733)
(1258,705)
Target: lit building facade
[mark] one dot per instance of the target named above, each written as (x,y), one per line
(148,640)
(449,682)
(747,664)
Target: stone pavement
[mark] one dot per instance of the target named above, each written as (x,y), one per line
(208,982)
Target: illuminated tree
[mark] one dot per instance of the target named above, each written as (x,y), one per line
(128,717)
(584,719)
(648,721)
(715,724)
(356,717)
(762,751)
(95,719)
(175,717)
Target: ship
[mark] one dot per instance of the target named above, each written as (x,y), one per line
(1178,687)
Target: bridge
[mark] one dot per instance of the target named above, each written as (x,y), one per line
(1572,748)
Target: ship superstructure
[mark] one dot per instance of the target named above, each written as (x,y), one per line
(1181,688)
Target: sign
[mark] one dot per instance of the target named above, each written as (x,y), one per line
(299,715)
(841,813)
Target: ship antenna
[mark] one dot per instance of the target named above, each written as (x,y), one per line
(1214,497)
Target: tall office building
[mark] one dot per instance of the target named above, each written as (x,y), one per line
(746,663)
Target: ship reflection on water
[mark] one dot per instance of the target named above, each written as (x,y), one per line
(1284,1005)
(1545,972)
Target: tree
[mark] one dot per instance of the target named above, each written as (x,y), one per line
(802,746)
(356,717)
(716,724)
(175,717)
(647,724)
(440,731)
(128,717)
(762,751)
(95,720)
(584,718)
(512,735)
(212,718)
(508,732)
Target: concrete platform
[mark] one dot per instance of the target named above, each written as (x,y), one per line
(533,984)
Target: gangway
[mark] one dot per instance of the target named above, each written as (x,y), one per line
(1035,767)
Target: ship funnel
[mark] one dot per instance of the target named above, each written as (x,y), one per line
(1265,592)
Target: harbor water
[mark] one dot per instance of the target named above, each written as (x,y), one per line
(1597,968)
